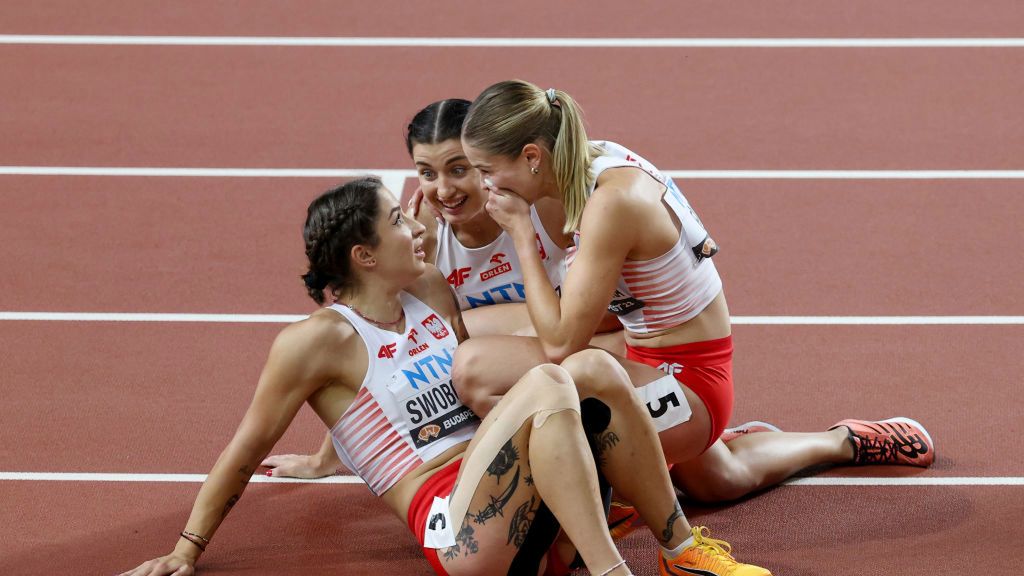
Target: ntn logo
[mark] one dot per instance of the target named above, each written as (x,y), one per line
(432,363)
(512,292)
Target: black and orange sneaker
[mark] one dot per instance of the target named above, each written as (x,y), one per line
(706,557)
(752,427)
(893,441)
(622,520)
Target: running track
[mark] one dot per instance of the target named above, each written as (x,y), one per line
(163,397)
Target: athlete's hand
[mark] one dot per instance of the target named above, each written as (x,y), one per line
(509,210)
(306,466)
(171,565)
(413,207)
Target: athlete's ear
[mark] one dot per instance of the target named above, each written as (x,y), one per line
(532,154)
(363,257)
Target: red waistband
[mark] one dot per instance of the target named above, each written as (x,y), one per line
(706,353)
(440,484)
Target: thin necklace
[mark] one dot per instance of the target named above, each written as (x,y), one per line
(377,323)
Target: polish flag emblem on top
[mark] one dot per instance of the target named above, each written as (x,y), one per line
(436,326)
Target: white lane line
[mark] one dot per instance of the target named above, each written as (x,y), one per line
(262,479)
(736,320)
(469,42)
(394,175)
(922,481)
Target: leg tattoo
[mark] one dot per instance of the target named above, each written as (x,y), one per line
(521,522)
(503,461)
(669,532)
(497,504)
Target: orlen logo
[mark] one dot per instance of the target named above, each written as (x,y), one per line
(436,327)
(540,247)
(458,276)
(673,368)
(417,348)
(501,268)
(387,351)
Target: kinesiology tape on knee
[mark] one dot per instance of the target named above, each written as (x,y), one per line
(665,402)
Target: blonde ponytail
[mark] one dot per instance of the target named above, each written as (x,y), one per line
(509,115)
(571,157)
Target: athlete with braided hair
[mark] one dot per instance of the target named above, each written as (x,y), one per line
(481,497)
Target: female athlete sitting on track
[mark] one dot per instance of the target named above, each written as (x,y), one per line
(467,239)
(642,253)
(375,367)
(468,246)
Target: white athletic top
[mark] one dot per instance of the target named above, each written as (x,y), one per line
(664,292)
(491,274)
(406,411)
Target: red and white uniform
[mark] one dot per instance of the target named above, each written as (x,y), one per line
(663,292)
(492,274)
(406,411)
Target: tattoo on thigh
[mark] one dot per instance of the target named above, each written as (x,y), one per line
(604,442)
(497,503)
(668,532)
(503,461)
(464,542)
(521,522)
(528,479)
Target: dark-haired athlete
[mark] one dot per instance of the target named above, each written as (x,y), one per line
(479,507)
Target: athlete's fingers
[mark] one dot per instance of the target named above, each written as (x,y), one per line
(414,202)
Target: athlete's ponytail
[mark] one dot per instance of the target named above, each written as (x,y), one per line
(511,114)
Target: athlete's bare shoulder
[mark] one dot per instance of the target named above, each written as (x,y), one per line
(433,290)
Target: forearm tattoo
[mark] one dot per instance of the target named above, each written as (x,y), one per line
(246,473)
(229,505)
(669,532)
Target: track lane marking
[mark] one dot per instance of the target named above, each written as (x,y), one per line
(736,320)
(479,42)
(393,175)
(349,479)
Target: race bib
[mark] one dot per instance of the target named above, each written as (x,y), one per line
(439,533)
(665,402)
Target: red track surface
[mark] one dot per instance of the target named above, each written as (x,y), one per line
(110,397)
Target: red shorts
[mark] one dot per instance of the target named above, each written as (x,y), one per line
(440,485)
(704,367)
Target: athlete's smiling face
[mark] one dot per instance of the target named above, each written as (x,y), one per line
(508,173)
(399,255)
(448,181)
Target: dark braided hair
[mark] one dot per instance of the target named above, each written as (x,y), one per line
(335,222)
(437,123)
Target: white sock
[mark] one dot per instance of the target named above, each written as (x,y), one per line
(679,549)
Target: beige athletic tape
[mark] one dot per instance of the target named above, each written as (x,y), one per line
(529,398)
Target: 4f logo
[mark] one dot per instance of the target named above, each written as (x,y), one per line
(387,351)
(458,276)
(673,368)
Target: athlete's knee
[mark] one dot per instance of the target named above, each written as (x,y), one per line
(721,484)
(471,381)
(548,387)
(598,374)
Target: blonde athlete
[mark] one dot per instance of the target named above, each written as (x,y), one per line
(642,253)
